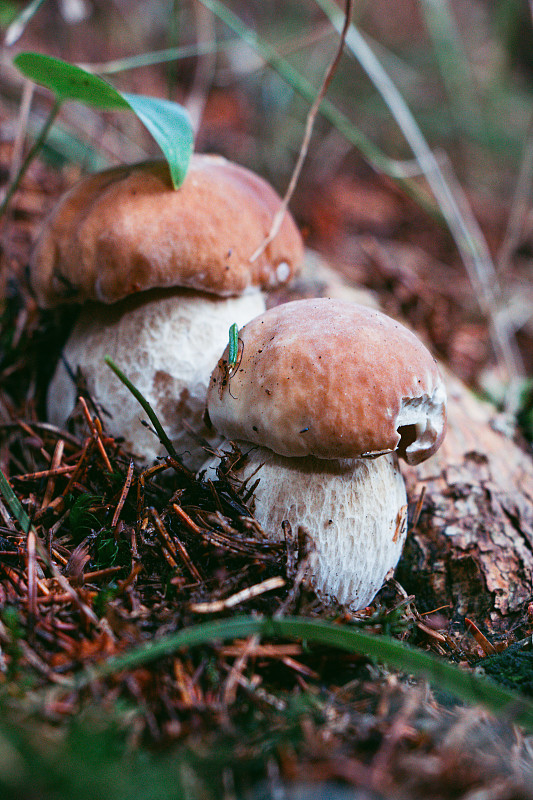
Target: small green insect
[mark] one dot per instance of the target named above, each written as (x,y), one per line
(230,367)
(233,345)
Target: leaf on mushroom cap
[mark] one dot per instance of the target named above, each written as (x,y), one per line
(126,230)
(330,379)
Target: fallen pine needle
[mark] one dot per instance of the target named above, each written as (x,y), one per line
(95,432)
(239,597)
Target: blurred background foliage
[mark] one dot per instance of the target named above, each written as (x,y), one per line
(464,68)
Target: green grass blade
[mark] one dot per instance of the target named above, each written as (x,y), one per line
(18,25)
(466,686)
(453,63)
(152,416)
(14,503)
(32,153)
(159,56)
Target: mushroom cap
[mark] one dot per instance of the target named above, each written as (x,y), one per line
(126,230)
(331,379)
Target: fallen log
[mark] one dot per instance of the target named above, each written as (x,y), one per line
(472,546)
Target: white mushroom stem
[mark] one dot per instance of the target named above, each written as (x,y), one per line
(354,510)
(167,343)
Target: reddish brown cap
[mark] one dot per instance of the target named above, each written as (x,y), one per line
(331,379)
(125,230)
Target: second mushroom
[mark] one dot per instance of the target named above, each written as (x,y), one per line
(324,397)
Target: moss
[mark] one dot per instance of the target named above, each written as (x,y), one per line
(513,668)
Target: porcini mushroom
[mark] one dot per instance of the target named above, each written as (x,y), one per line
(330,393)
(161,274)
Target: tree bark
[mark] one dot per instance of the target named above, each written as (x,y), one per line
(473,544)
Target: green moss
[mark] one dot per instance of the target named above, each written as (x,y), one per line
(513,668)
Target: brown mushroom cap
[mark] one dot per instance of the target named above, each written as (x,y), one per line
(126,230)
(330,379)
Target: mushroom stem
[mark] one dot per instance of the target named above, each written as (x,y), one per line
(354,510)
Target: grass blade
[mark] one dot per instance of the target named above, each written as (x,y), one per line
(460,220)
(18,25)
(152,416)
(32,153)
(14,503)
(453,64)
(159,56)
(466,686)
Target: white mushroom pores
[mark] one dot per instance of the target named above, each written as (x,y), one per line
(326,395)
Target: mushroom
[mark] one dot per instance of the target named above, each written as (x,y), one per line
(330,393)
(162,274)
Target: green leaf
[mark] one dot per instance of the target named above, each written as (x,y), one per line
(69,82)
(170,126)
(167,122)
